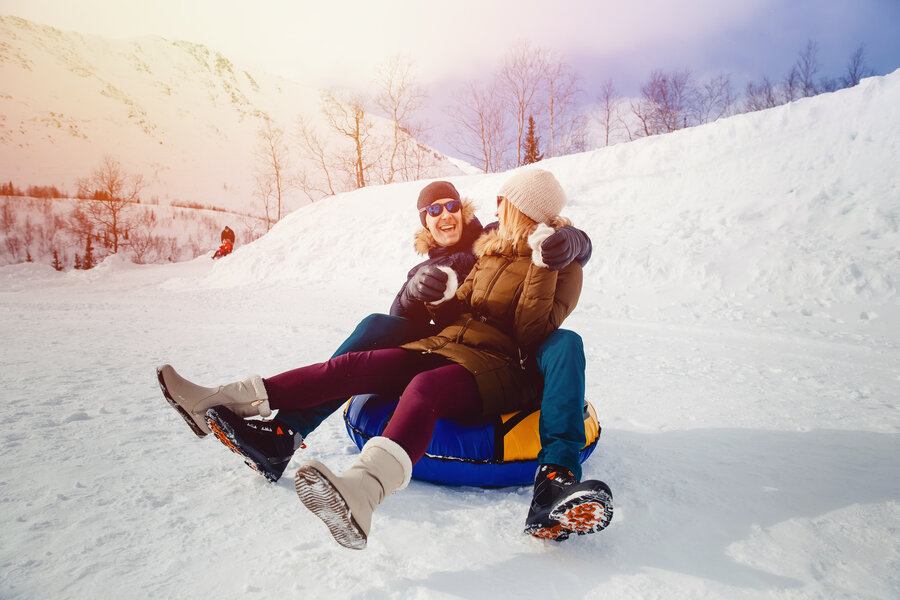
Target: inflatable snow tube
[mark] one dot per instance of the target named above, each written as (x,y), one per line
(491,453)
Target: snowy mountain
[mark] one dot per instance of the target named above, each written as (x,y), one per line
(741,322)
(183,115)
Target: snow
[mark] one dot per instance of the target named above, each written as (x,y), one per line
(741,325)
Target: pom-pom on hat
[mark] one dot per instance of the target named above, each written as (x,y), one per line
(436,190)
(536,193)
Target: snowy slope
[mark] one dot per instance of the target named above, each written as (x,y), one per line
(182,115)
(792,211)
(742,330)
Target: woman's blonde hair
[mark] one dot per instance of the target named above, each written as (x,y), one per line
(515,225)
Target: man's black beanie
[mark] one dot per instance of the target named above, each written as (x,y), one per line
(436,190)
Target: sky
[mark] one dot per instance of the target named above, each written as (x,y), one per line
(343,43)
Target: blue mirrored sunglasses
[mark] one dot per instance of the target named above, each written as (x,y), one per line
(436,209)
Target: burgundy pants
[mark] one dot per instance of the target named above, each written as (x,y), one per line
(430,388)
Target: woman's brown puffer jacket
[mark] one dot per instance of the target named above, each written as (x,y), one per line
(501,314)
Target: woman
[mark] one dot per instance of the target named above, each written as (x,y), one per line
(480,363)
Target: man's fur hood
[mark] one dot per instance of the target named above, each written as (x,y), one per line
(424,241)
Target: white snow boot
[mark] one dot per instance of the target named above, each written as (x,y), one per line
(246,398)
(345,503)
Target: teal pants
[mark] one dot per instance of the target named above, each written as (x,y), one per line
(562,363)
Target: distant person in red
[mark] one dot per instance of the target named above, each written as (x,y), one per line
(227,243)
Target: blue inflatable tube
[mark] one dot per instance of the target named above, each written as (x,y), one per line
(492,453)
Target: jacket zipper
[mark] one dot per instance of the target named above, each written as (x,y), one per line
(447,340)
(465,326)
(493,281)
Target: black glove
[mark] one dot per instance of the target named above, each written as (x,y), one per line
(565,245)
(427,285)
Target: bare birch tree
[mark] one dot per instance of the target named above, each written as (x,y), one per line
(715,99)
(807,66)
(251,227)
(400,98)
(562,93)
(143,241)
(479,133)
(609,116)
(314,149)
(107,196)
(676,100)
(644,111)
(856,68)
(522,76)
(347,116)
(273,177)
(667,103)
(791,86)
(265,191)
(760,96)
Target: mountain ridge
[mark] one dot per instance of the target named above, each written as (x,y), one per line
(184,115)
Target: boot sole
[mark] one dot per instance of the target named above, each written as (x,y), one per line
(554,533)
(184,414)
(321,497)
(587,512)
(224,432)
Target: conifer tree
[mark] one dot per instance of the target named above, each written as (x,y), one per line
(531,145)
(56,264)
(78,261)
(88,262)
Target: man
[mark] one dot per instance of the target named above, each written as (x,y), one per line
(561,505)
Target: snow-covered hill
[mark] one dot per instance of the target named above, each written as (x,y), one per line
(183,115)
(794,210)
(742,331)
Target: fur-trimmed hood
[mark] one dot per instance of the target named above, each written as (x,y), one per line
(424,241)
(491,243)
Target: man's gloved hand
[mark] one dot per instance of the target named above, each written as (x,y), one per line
(565,245)
(427,285)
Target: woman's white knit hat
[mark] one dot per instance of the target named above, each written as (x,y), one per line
(536,193)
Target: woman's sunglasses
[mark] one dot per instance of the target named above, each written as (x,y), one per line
(436,209)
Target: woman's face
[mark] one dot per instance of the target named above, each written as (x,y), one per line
(447,227)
